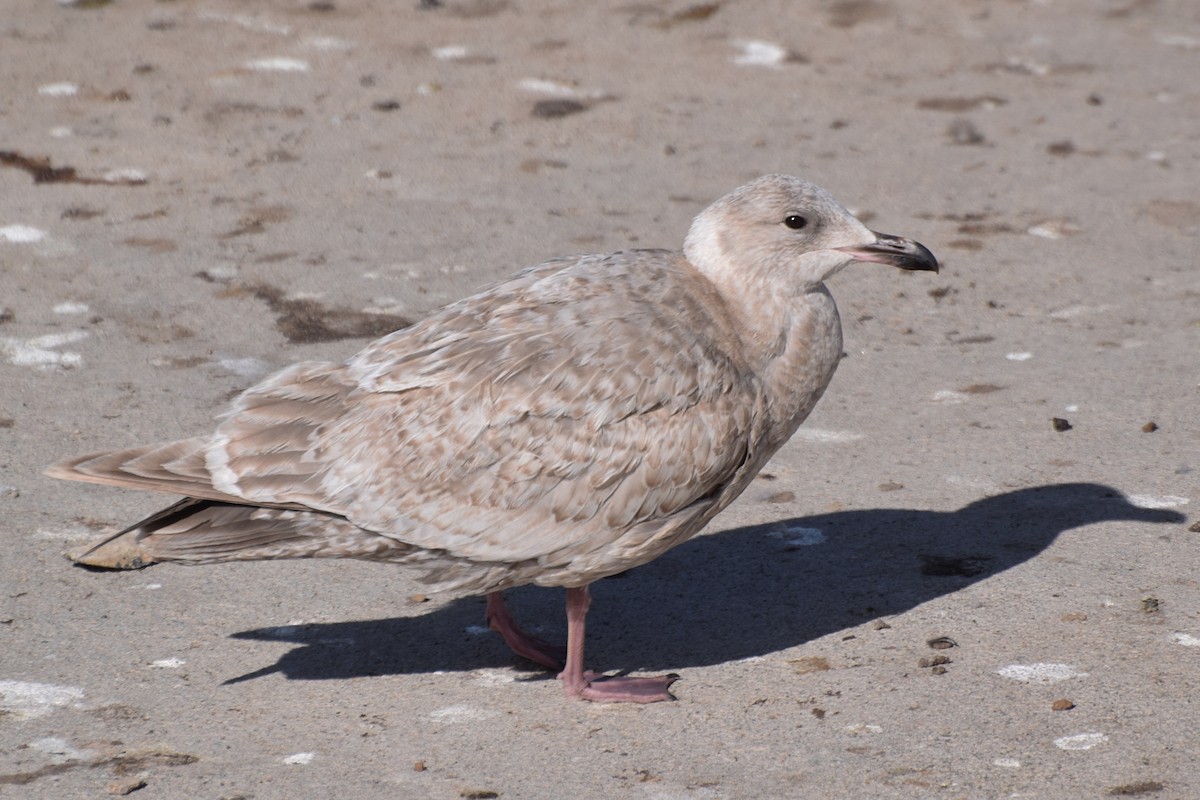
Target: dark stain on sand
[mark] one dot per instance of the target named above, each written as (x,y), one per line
(43,171)
(306,321)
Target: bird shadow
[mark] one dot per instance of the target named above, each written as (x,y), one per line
(729,595)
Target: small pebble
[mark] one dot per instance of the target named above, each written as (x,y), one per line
(1060,424)
(942,643)
(125,786)
(1062,704)
(964,132)
(558,107)
(1150,427)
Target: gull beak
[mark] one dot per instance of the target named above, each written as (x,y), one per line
(894,250)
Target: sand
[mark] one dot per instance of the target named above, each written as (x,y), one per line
(193,194)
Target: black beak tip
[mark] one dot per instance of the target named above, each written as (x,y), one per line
(897,252)
(925,259)
(905,253)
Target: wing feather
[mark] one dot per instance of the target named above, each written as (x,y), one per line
(584,401)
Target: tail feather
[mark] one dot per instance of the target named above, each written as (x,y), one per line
(174,467)
(199,531)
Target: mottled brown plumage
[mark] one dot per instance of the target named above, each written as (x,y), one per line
(565,425)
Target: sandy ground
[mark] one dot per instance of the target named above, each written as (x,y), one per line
(195,193)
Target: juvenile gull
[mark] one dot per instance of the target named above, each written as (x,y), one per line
(568,424)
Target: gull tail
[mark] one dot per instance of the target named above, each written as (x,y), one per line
(198,531)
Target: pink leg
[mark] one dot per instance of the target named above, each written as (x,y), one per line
(591,686)
(500,619)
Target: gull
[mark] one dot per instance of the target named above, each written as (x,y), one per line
(572,422)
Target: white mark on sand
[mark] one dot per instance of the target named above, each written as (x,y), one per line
(863,727)
(328,43)
(1186,639)
(74,534)
(541,86)
(38,352)
(247,22)
(949,396)
(26,700)
(1071,409)
(558,89)
(797,535)
(245,367)
(300,758)
(1019,356)
(1150,501)
(477,630)
(453,714)
(60,750)
(168,663)
(452,52)
(972,483)
(1054,229)
(63,89)
(61,132)
(1080,741)
(1024,65)
(1008,763)
(71,308)
(386,305)
(493,677)
(125,175)
(1040,673)
(21,234)
(278,64)
(58,339)
(222,274)
(821,435)
(1069,312)
(757,53)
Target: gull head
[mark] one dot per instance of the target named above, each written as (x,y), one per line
(790,235)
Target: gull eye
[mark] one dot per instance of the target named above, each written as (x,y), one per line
(795,221)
